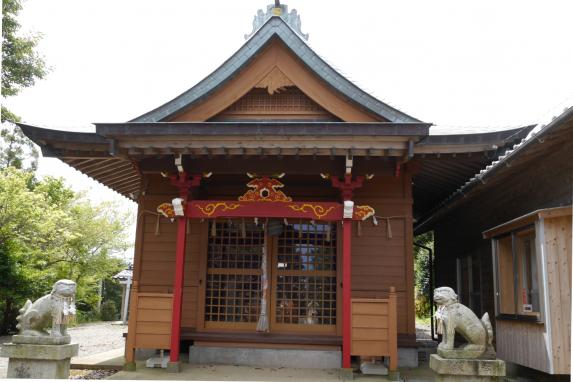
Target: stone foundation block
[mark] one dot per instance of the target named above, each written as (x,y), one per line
(39,361)
(295,358)
(470,370)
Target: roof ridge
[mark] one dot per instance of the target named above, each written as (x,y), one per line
(276,26)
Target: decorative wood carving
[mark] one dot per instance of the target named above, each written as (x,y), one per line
(275,81)
(166,209)
(209,209)
(265,189)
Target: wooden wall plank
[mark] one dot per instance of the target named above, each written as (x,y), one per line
(522,343)
(558,256)
(153,341)
(367,348)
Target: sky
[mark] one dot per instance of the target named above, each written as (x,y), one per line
(465,66)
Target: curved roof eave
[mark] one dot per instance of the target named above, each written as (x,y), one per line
(275,26)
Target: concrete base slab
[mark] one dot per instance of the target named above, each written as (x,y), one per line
(471,370)
(111,359)
(173,367)
(246,373)
(394,376)
(129,366)
(373,368)
(292,358)
(346,374)
(407,357)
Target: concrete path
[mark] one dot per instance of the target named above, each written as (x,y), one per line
(111,359)
(246,373)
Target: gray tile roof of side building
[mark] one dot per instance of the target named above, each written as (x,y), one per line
(275,27)
(535,136)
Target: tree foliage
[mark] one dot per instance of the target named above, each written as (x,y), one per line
(21,67)
(422,273)
(21,64)
(48,232)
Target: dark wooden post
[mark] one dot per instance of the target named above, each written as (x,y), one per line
(184,184)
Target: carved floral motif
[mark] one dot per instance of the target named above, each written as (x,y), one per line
(166,209)
(318,210)
(363,212)
(209,209)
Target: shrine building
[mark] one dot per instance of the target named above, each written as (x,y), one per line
(276,206)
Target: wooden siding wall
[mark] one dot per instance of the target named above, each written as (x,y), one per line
(522,343)
(540,182)
(155,261)
(558,246)
(379,261)
(153,321)
(374,328)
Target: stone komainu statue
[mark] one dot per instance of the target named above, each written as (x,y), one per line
(54,310)
(453,317)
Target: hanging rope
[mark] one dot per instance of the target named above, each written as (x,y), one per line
(387,220)
(214,228)
(243,229)
(156,222)
(263,322)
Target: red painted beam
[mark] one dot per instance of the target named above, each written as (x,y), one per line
(324,211)
(346,291)
(210,209)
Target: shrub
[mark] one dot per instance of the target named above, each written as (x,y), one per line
(109,311)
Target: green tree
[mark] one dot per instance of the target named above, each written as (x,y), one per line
(21,67)
(48,232)
(422,274)
(21,64)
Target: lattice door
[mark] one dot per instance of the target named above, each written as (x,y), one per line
(233,288)
(302,269)
(304,278)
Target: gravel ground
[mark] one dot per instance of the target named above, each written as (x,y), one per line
(93,338)
(91,374)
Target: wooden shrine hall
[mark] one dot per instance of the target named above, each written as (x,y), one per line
(276,203)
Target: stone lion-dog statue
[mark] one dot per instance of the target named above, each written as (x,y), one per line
(54,310)
(452,317)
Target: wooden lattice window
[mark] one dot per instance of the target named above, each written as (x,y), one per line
(306,274)
(233,289)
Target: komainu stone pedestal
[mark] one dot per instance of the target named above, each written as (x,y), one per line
(468,370)
(39,361)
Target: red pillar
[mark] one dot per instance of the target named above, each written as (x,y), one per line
(184,184)
(346,291)
(347,187)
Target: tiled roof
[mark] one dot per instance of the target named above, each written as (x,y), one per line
(275,27)
(536,135)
